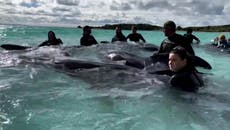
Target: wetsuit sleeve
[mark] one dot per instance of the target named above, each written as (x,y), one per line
(197,39)
(163,72)
(83,41)
(123,38)
(141,37)
(161,47)
(94,40)
(60,41)
(113,39)
(128,37)
(45,43)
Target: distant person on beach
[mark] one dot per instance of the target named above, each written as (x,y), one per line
(173,39)
(87,39)
(191,37)
(119,36)
(134,36)
(52,40)
(182,71)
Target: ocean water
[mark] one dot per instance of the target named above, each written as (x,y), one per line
(37,95)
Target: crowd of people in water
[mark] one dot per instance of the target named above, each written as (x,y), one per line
(177,48)
(221,42)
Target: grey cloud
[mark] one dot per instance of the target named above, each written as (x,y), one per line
(61,9)
(120,6)
(68,12)
(6,3)
(32,4)
(204,7)
(207,8)
(68,2)
(153,4)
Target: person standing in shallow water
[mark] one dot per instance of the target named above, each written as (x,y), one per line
(182,72)
(190,37)
(119,36)
(173,39)
(134,36)
(52,40)
(87,39)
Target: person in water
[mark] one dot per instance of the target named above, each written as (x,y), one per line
(223,43)
(52,40)
(119,36)
(182,71)
(173,39)
(87,39)
(134,36)
(190,37)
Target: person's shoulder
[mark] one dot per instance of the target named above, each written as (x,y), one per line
(59,40)
(139,34)
(130,34)
(178,35)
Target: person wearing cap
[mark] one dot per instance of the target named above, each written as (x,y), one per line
(173,39)
(87,39)
(134,36)
(223,43)
(119,36)
(191,37)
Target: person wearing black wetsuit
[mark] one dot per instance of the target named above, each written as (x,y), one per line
(190,37)
(52,40)
(119,36)
(134,36)
(173,39)
(183,73)
(87,39)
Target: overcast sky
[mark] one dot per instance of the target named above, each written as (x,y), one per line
(99,12)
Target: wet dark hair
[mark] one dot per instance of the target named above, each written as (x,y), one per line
(86,28)
(50,33)
(170,24)
(189,30)
(134,27)
(183,54)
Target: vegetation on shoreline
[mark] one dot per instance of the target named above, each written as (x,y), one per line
(221,28)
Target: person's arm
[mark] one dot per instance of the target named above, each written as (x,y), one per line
(128,37)
(163,72)
(161,48)
(124,38)
(82,41)
(142,38)
(113,39)
(94,40)
(45,43)
(60,41)
(197,39)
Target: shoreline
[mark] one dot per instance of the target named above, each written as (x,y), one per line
(143,27)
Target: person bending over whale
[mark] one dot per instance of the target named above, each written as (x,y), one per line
(182,71)
(173,39)
(52,40)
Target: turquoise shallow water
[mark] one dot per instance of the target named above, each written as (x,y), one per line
(35,95)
